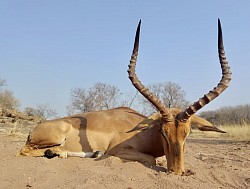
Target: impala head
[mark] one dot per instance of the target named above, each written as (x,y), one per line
(175,123)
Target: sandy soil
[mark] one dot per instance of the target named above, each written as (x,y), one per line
(216,163)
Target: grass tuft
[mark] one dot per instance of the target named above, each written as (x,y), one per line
(234,132)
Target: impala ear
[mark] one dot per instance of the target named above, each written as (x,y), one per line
(147,123)
(204,125)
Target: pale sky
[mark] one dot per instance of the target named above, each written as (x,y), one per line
(49,47)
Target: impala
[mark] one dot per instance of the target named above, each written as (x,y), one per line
(125,133)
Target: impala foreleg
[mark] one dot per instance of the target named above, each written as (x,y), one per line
(131,154)
(55,151)
(85,154)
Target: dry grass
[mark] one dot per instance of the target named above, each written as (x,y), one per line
(234,132)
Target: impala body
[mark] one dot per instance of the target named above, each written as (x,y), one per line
(86,132)
(123,132)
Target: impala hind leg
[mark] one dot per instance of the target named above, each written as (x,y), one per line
(42,152)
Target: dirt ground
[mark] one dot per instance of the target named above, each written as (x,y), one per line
(217,163)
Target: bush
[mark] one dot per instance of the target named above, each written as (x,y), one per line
(237,115)
(41,110)
(7,100)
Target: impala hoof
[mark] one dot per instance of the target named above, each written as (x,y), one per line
(50,154)
(97,154)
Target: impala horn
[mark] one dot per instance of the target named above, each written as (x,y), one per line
(139,86)
(222,85)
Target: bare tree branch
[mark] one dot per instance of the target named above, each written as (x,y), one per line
(99,97)
(169,93)
(41,110)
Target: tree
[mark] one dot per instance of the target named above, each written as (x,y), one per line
(169,93)
(99,97)
(41,110)
(7,99)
